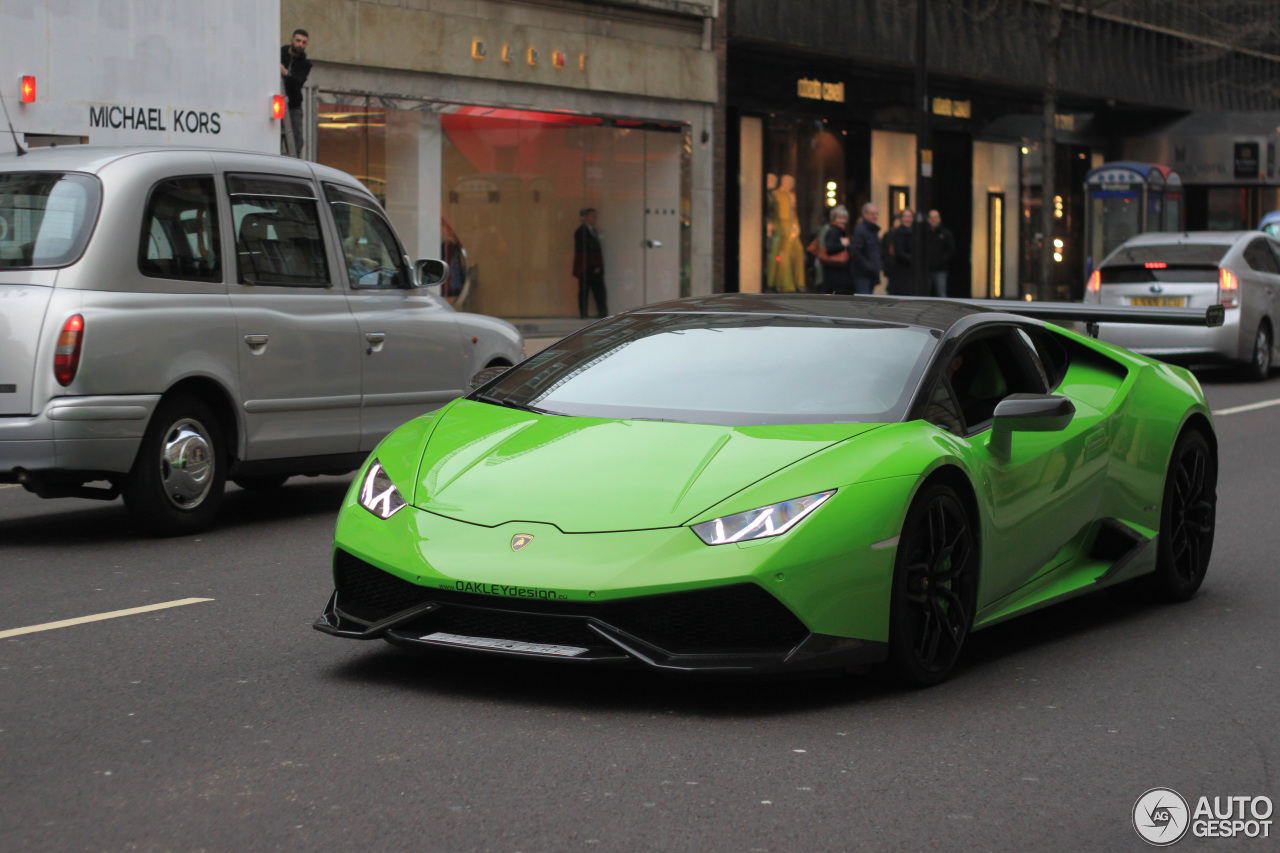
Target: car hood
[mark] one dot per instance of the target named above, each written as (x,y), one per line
(489,465)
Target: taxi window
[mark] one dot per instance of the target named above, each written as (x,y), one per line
(278,236)
(370,251)
(180,231)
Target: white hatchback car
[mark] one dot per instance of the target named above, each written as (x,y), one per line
(1239,270)
(172,318)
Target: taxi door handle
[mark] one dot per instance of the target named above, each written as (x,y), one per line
(376,340)
(257,343)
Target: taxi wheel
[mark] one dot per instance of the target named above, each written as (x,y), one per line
(934,589)
(1260,367)
(177,480)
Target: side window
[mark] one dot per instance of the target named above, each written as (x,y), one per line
(180,231)
(1053,356)
(1260,258)
(278,237)
(942,410)
(989,368)
(370,251)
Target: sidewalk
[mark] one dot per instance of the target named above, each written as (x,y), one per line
(540,332)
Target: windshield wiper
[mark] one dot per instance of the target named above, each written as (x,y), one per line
(511,404)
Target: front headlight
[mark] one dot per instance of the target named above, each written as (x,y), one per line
(759,523)
(378,494)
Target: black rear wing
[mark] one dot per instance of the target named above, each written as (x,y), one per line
(1092,315)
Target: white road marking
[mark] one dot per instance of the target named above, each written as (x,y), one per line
(9,486)
(1248,407)
(98,617)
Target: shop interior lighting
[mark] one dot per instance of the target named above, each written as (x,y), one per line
(1057,256)
(28,89)
(1057,243)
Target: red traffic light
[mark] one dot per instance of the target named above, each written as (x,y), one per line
(277,106)
(28,89)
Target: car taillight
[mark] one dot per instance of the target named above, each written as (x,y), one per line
(1228,288)
(1095,282)
(66,358)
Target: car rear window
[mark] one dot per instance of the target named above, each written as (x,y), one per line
(46,218)
(1172,262)
(732,369)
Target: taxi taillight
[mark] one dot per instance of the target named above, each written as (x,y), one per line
(1095,282)
(1228,288)
(66,358)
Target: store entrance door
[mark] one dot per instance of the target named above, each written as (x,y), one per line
(662,216)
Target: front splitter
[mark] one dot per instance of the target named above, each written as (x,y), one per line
(615,647)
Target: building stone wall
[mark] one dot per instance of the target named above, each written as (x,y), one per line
(626,48)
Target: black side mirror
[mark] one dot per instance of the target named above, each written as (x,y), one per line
(487,375)
(1027,413)
(431,273)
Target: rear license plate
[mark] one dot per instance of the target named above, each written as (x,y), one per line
(505,645)
(1159,301)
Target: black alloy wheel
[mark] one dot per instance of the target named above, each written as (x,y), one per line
(1187,518)
(1260,367)
(935,584)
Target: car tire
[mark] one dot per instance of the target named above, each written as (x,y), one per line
(935,582)
(260,482)
(177,480)
(1260,366)
(1187,519)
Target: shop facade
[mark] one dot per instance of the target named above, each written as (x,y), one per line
(120,74)
(486,133)
(807,134)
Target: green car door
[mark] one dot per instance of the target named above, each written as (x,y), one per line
(1045,493)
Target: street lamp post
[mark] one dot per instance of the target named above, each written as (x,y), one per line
(924,156)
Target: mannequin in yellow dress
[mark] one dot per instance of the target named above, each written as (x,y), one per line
(786,254)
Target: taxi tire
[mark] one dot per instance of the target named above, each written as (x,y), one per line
(1263,342)
(144,489)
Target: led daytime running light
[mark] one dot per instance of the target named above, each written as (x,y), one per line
(378,494)
(759,523)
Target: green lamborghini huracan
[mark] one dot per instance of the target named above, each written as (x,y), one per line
(753,483)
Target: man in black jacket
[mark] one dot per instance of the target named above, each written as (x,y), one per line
(942,247)
(864,251)
(294,68)
(588,262)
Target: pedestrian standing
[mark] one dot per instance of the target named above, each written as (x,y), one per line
(942,248)
(588,262)
(834,255)
(899,262)
(864,251)
(294,68)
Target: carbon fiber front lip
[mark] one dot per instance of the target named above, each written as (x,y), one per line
(814,652)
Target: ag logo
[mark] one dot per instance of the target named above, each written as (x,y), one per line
(1161,816)
(520,540)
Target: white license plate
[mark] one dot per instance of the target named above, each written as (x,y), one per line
(505,645)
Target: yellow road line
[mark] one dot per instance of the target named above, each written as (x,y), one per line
(9,486)
(1248,407)
(98,617)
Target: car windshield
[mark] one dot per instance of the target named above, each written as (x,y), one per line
(45,218)
(733,369)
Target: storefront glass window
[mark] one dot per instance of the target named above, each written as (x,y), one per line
(511,186)
(803,176)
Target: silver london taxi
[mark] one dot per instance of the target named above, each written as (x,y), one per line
(171,319)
